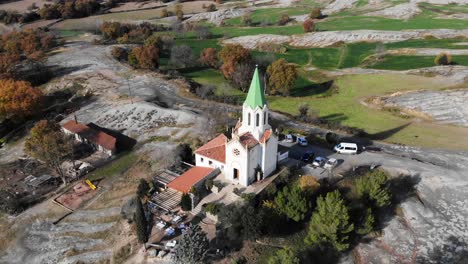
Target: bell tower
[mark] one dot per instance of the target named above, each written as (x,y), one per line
(255,110)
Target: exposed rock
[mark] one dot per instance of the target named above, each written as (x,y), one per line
(337,6)
(217,17)
(448,107)
(427,51)
(251,42)
(402,11)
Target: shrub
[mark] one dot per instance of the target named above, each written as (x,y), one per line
(443,59)
(209,184)
(164,12)
(284,20)
(308,25)
(212,208)
(284,256)
(209,57)
(316,13)
(119,53)
(211,8)
(331,138)
(303,110)
(186,202)
(246,20)
(205,91)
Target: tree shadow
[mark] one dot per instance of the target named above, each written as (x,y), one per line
(308,89)
(365,139)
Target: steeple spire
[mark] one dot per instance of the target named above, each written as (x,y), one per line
(255,97)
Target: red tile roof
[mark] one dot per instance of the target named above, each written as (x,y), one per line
(248,140)
(266,135)
(214,149)
(184,182)
(95,136)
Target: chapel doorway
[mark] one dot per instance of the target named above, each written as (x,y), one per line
(236,174)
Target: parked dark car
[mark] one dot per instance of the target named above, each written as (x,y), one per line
(308,157)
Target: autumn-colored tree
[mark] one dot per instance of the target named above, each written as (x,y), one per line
(147,57)
(308,25)
(308,183)
(231,55)
(219,2)
(18,98)
(281,77)
(119,53)
(48,143)
(6,64)
(110,30)
(209,57)
(316,12)
(154,40)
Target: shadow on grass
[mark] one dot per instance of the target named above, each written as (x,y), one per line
(306,88)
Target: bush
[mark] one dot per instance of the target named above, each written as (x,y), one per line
(331,138)
(443,59)
(246,20)
(203,32)
(303,110)
(186,202)
(205,91)
(281,77)
(164,12)
(284,20)
(308,25)
(212,208)
(119,53)
(209,184)
(316,13)
(211,8)
(209,57)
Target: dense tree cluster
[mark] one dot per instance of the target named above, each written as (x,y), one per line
(15,17)
(18,99)
(128,33)
(18,46)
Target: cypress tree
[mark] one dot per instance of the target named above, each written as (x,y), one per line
(141,224)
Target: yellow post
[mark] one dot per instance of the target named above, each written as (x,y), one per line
(90,184)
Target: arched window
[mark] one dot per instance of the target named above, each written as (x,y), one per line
(248,119)
(264,118)
(258,119)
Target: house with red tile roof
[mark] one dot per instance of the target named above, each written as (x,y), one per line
(98,139)
(251,153)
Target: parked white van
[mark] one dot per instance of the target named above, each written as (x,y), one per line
(346,148)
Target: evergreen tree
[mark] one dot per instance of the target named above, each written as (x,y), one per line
(366,223)
(330,223)
(192,246)
(141,224)
(186,202)
(372,186)
(284,256)
(143,188)
(292,203)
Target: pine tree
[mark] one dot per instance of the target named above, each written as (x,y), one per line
(366,223)
(284,256)
(192,246)
(372,186)
(292,203)
(141,224)
(330,223)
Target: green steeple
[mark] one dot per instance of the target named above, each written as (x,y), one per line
(255,97)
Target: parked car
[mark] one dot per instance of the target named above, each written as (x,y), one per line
(346,148)
(308,156)
(318,162)
(302,141)
(171,244)
(289,138)
(330,164)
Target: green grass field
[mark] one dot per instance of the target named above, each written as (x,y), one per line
(346,108)
(413,62)
(118,166)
